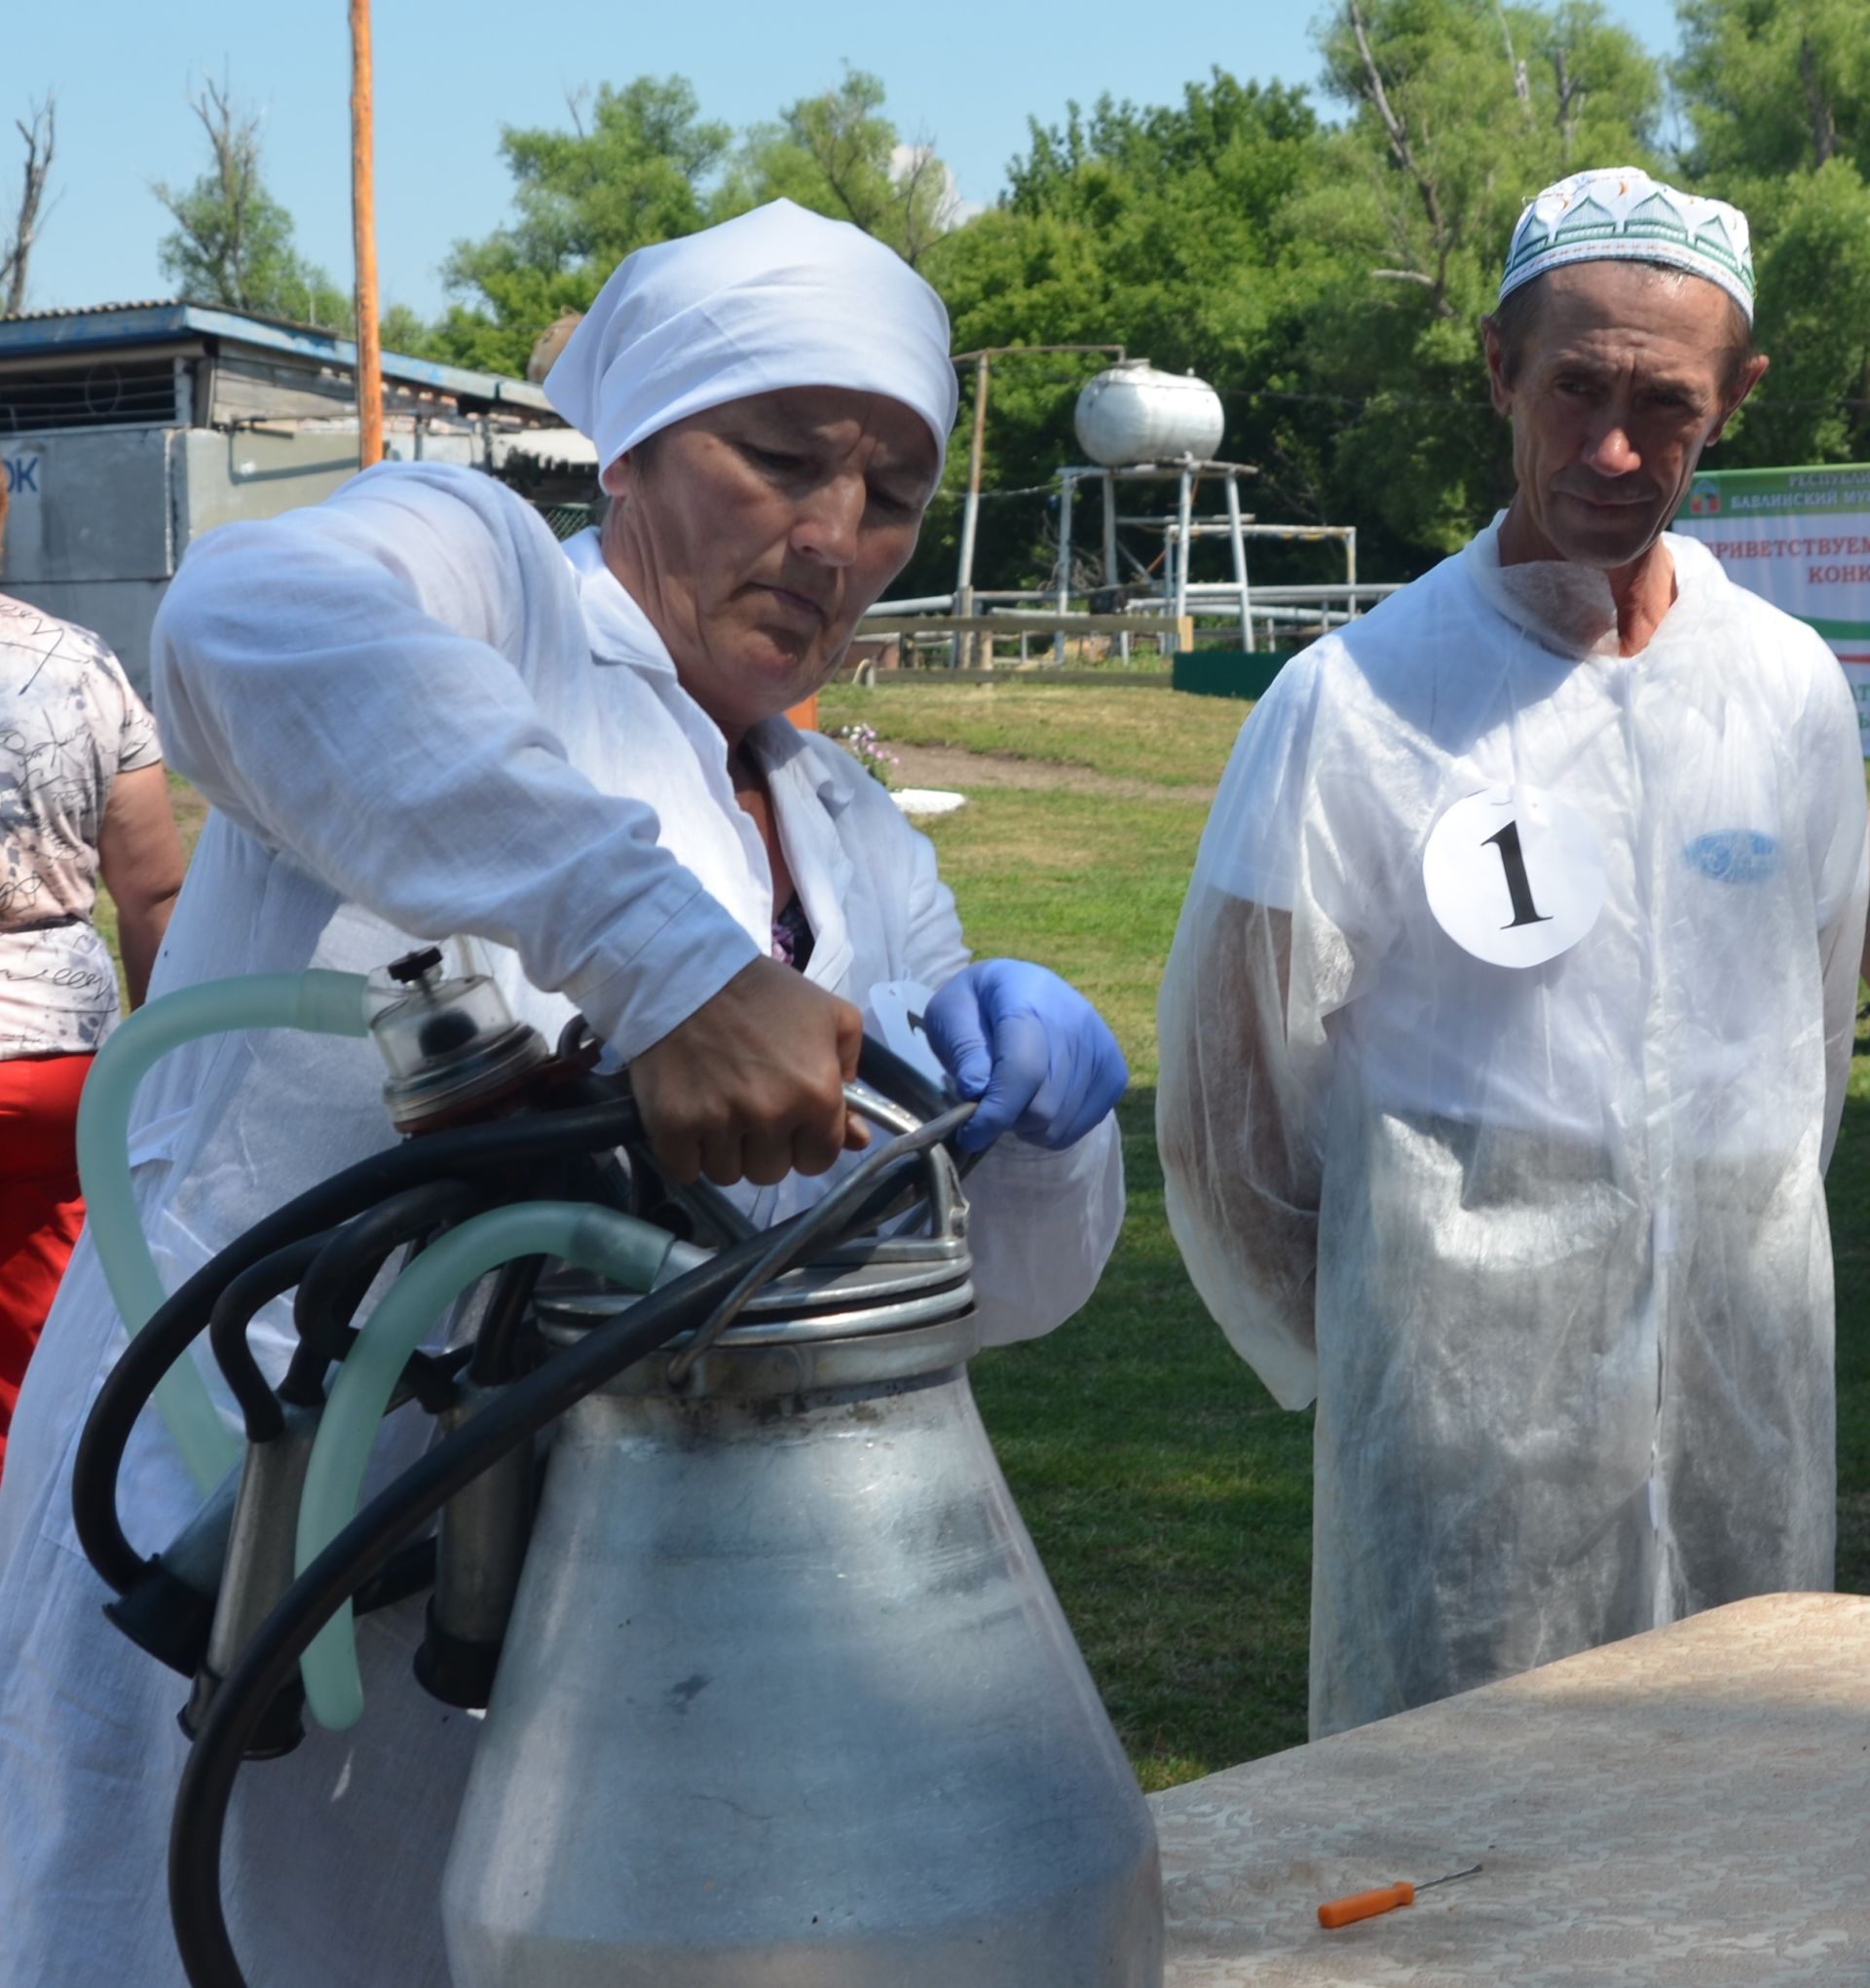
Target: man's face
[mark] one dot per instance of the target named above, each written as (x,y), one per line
(756,534)
(1625,376)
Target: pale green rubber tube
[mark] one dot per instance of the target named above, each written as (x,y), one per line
(620,1247)
(317,1002)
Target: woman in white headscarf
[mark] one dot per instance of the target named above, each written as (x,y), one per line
(416,716)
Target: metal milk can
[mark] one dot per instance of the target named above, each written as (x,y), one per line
(787,1701)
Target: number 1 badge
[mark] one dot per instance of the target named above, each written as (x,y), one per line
(1514,876)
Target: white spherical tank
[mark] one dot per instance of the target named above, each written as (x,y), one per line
(1132,413)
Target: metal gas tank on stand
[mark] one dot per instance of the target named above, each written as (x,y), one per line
(787,1701)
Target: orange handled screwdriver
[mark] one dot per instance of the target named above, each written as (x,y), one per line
(1336,1912)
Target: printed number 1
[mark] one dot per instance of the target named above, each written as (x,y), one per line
(1518,886)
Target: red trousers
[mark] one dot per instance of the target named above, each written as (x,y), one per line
(41,1210)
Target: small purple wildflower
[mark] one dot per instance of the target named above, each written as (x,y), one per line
(860,741)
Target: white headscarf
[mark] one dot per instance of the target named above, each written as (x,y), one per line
(779,297)
(1618,213)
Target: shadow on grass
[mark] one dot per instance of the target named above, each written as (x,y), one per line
(1848,1190)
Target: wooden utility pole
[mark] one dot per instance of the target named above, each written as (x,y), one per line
(364,223)
(971,505)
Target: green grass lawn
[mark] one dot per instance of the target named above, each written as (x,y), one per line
(1170,1499)
(1136,732)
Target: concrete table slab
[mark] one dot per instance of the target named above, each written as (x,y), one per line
(1689,1809)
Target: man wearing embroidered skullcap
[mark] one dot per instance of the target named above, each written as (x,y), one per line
(421,719)
(1504,1035)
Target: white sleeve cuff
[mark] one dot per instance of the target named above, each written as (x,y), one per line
(688,957)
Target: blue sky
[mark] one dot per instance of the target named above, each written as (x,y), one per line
(966,74)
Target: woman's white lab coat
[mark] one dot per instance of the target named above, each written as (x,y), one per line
(416,716)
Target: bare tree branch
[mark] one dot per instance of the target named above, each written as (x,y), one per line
(1572,97)
(1824,127)
(39,129)
(574,101)
(1440,233)
(1521,86)
(927,203)
(221,240)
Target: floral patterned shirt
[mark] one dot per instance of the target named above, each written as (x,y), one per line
(69,724)
(792,937)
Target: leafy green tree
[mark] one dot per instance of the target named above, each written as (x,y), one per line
(1777,98)
(839,154)
(1459,112)
(1774,87)
(402,331)
(637,169)
(1814,320)
(232,242)
(1329,282)
(1155,228)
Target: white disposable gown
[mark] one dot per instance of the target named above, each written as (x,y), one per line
(416,716)
(1548,1244)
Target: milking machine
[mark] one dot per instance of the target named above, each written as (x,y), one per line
(775,1691)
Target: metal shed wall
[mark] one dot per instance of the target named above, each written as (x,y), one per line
(95,529)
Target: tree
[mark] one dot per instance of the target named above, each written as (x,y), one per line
(637,170)
(1448,139)
(1776,93)
(1154,227)
(1773,86)
(1460,112)
(402,331)
(1813,272)
(232,242)
(39,130)
(839,155)
(1329,282)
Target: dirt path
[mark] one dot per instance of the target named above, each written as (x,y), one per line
(954,767)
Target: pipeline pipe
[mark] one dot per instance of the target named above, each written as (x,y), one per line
(629,1252)
(317,1002)
(500,1326)
(341,1274)
(127,1387)
(227,1326)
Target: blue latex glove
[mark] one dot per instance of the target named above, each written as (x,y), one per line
(1034,1052)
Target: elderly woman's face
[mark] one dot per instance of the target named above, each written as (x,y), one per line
(754,536)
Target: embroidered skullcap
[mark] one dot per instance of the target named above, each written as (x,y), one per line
(779,297)
(1618,213)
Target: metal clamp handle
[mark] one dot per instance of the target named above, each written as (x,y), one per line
(805,1231)
(938,1163)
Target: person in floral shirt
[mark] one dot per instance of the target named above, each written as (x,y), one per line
(82,794)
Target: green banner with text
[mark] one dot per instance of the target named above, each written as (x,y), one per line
(1800,539)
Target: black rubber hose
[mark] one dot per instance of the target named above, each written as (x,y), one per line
(493,1361)
(846,1208)
(233,1313)
(343,1271)
(518,1413)
(267,1663)
(408,1571)
(178,1322)
(432,1380)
